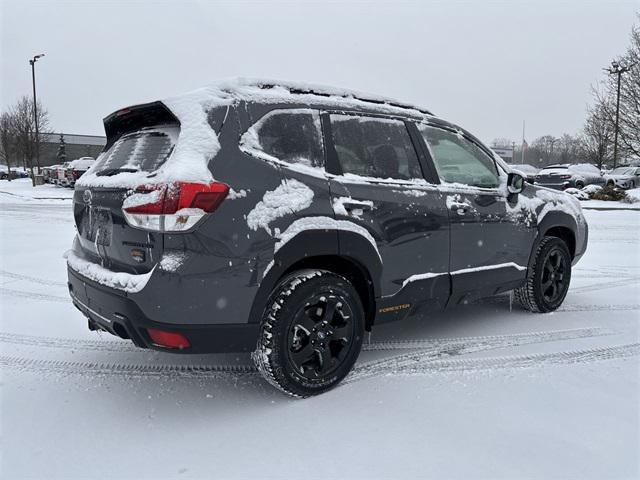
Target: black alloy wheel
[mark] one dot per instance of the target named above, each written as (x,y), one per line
(554,282)
(548,277)
(311,332)
(321,334)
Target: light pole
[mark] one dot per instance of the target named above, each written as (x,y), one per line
(617,69)
(32,62)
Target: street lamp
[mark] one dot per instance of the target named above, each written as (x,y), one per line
(32,62)
(617,69)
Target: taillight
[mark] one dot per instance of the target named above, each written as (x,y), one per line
(173,207)
(565,177)
(168,339)
(74,172)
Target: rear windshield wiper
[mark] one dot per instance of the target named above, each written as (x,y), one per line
(113,171)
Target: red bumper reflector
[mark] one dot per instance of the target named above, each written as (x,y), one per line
(168,339)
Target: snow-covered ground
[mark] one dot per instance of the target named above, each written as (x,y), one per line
(476,392)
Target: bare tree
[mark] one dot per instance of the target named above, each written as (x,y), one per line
(598,133)
(629,124)
(24,129)
(6,141)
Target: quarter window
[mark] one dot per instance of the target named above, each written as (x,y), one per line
(459,160)
(292,136)
(374,147)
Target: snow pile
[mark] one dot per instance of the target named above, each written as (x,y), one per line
(118,280)
(291,196)
(591,189)
(633,195)
(579,194)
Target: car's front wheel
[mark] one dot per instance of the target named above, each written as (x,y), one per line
(311,333)
(548,280)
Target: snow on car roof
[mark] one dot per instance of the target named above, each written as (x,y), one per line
(284,91)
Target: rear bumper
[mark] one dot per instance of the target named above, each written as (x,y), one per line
(555,186)
(118,314)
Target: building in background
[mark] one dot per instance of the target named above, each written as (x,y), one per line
(506,153)
(75,146)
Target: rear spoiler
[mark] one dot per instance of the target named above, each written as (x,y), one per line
(136,117)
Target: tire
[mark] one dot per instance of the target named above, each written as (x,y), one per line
(579,185)
(548,281)
(610,183)
(298,349)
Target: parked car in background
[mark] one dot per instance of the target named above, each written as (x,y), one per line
(61,175)
(16,172)
(77,168)
(529,172)
(49,172)
(566,176)
(287,220)
(624,177)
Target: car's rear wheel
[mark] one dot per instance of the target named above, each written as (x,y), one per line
(579,185)
(548,281)
(311,333)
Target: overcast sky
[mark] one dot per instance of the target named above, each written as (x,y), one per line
(486,65)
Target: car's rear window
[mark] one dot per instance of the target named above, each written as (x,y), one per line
(552,170)
(145,150)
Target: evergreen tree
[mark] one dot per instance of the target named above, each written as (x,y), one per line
(62,150)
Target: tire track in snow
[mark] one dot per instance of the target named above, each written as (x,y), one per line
(444,344)
(360,373)
(33,295)
(457,347)
(437,349)
(105,368)
(605,285)
(28,278)
(437,366)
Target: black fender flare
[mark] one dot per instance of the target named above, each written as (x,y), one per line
(552,219)
(317,243)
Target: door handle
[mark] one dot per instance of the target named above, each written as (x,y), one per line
(355,205)
(460,208)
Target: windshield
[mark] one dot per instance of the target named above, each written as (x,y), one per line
(145,150)
(622,171)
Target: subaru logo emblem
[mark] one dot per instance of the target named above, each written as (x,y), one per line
(87,196)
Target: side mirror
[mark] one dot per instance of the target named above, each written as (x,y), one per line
(515,183)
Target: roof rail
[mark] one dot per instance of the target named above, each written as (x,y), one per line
(323,91)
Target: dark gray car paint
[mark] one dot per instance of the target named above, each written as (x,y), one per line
(222,279)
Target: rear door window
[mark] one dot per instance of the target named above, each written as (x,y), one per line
(291,136)
(145,150)
(374,147)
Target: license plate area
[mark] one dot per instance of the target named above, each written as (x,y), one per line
(97,225)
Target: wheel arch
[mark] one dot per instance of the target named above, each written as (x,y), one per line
(321,249)
(557,224)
